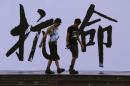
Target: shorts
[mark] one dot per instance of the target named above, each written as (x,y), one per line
(53,51)
(74,50)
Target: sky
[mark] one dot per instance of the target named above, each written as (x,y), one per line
(115,58)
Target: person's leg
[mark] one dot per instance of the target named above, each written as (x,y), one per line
(59,70)
(56,57)
(71,69)
(57,64)
(48,70)
(49,64)
(74,51)
(72,62)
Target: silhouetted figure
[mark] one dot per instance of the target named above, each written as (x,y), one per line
(53,32)
(72,44)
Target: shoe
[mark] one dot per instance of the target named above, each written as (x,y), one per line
(48,71)
(60,70)
(101,65)
(73,71)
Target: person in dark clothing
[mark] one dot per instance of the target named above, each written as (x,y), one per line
(72,44)
(53,32)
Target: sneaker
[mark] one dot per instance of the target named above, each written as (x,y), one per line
(49,72)
(60,70)
(72,71)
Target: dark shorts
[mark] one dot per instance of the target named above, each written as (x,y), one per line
(74,50)
(53,51)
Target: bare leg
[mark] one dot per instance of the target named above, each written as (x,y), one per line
(59,70)
(71,69)
(57,64)
(48,71)
(49,64)
(72,62)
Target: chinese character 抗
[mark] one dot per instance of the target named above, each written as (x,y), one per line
(22,31)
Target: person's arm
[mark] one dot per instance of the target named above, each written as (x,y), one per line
(80,42)
(44,37)
(67,39)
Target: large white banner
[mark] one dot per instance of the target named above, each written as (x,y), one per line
(113,13)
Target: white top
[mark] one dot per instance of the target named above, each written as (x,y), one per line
(54,34)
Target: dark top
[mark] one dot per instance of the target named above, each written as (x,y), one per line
(73,37)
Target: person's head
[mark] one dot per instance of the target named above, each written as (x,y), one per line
(77,22)
(57,22)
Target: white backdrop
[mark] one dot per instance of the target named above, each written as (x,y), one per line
(115,58)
